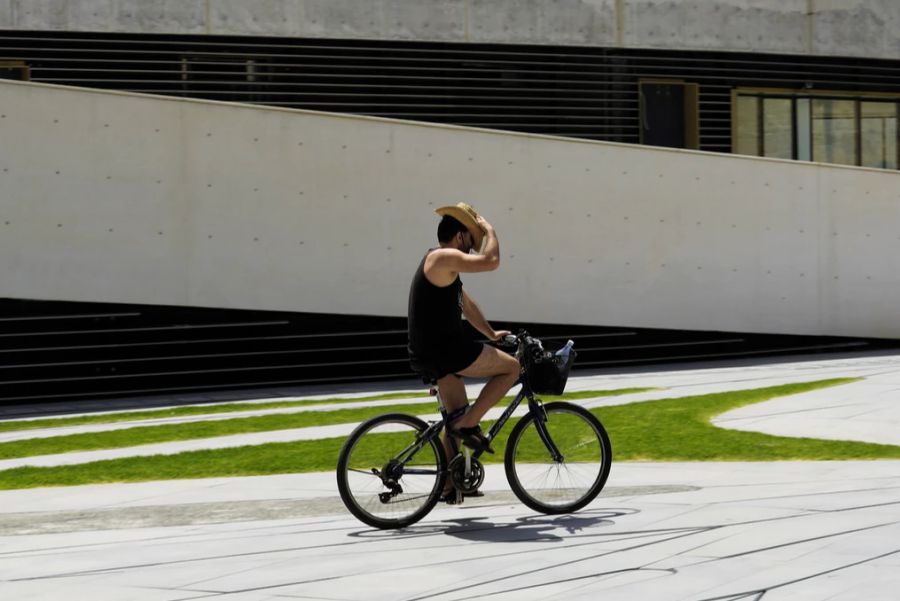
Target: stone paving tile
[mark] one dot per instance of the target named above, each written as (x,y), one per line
(779,530)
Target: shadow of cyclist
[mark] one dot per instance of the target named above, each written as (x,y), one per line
(532,528)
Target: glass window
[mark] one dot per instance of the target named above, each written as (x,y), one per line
(878,134)
(747,122)
(777,135)
(834,131)
(861,130)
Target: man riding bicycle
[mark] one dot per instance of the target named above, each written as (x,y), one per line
(439,347)
(557,456)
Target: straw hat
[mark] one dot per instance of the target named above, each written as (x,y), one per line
(467,216)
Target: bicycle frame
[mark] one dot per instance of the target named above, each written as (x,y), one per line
(434,430)
(534,407)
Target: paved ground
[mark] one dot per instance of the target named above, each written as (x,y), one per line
(773,531)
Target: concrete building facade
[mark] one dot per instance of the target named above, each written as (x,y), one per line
(287,156)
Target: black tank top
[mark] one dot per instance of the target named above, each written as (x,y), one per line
(435,314)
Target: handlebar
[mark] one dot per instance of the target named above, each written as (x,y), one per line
(544,371)
(523,340)
(514,339)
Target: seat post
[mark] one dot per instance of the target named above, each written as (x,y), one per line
(436,393)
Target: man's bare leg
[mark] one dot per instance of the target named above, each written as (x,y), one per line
(503,371)
(453,397)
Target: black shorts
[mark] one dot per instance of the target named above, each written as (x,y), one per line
(449,359)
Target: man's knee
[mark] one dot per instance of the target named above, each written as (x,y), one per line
(510,366)
(492,363)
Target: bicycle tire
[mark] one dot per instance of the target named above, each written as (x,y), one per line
(558,487)
(365,454)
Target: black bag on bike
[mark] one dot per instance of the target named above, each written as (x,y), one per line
(548,372)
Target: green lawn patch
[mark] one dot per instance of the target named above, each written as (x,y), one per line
(141,435)
(664,430)
(680,430)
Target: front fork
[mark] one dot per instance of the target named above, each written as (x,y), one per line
(540,424)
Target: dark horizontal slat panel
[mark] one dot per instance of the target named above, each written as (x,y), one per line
(308,348)
(661,345)
(718,355)
(454,97)
(456,65)
(177,328)
(555,76)
(483,53)
(53,317)
(516,114)
(118,361)
(378,81)
(574,93)
(335,86)
(249,383)
(250,339)
(212,370)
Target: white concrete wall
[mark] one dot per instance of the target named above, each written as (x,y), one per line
(865,28)
(125,198)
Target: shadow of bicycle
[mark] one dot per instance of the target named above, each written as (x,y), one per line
(532,528)
(536,528)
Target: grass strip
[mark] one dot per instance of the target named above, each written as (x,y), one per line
(664,430)
(213,409)
(141,435)
(111,418)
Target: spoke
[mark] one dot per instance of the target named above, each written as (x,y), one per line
(370,472)
(408,498)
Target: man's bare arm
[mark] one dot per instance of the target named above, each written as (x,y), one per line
(476,318)
(449,260)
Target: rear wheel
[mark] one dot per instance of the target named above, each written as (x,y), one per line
(388,475)
(573,479)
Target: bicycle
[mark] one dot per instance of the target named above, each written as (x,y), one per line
(392,469)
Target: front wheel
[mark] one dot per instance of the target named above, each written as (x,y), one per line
(389,474)
(571,480)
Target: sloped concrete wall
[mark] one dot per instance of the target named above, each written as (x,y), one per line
(864,28)
(138,199)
